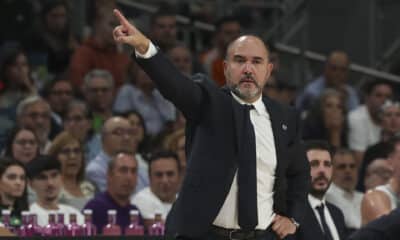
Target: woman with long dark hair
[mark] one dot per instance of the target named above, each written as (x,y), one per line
(22,145)
(13,189)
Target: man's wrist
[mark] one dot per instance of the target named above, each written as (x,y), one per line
(295,223)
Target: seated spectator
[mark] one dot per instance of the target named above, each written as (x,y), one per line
(44,174)
(364,121)
(390,123)
(98,91)
(342,191)
(384,198)
(58,93)
(16,85)
(163,30)
(143,97)
(280,88)
(13,195)
(52,42)
(327,120)
(77,121)
(117,135)
(35,113)
(22,145)
(175,142)
(164,172)
(378,173)
(227,29)
(99,51)
(68,151)
(335,76)
(121,182)
(181,57)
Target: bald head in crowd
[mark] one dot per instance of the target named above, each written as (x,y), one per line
(118,135)
(337,68)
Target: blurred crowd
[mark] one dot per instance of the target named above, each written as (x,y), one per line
(83,127)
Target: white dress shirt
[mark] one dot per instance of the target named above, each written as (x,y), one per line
(348,202)
(315,202)
(266,164)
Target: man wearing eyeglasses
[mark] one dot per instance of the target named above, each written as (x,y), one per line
(117,135)
(342,191)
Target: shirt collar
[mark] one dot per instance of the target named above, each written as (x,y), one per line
(258,104)
(315,202)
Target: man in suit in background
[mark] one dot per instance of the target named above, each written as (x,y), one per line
(322,219)
(247,175)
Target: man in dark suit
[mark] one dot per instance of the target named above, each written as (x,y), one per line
(247,175)
(322,220)
(386,227)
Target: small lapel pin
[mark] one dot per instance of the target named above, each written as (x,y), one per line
(284,127)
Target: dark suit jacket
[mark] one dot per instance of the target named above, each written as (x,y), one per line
(213,140)
(384,228)
(311,229)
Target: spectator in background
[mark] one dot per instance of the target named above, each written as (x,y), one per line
(327,120)
(390,122)
(22,145)
(52,42)
(99,51)
(227,29)
(44,174)
(164,172)
(365,122)
(68,151)
(77,121)
(335,76)
(378,172)
(342,191)
(58,93)
(143,97)
(15,84)
(35,113)
(121,180)
(13,194)
(117,135)
(384,198)
(163,30)
(181,57)
(98,89)
(280,88)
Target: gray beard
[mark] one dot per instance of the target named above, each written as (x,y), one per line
(244,95)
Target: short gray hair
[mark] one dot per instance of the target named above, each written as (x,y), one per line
(28,101)
(98,73)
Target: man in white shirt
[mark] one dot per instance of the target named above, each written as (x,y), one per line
(364,121)
(323,220)
(164,173)
(44,174)
(342,191)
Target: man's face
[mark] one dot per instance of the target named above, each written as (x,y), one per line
(119,135)
(391,119)
(337,69)
(163,31)
(379,94)
(37,117)
(121,180)
(321,171)
(164,179)
(247,68)
(77,123)
(99,94)
(345,171)
(229,31)
(56,19)
(60,96)
(182,59)
(47,185)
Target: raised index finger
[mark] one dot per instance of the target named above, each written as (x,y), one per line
(121,18)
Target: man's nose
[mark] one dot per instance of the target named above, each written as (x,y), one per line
(248,68)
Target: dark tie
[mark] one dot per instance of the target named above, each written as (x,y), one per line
(327,232)
(247,179)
